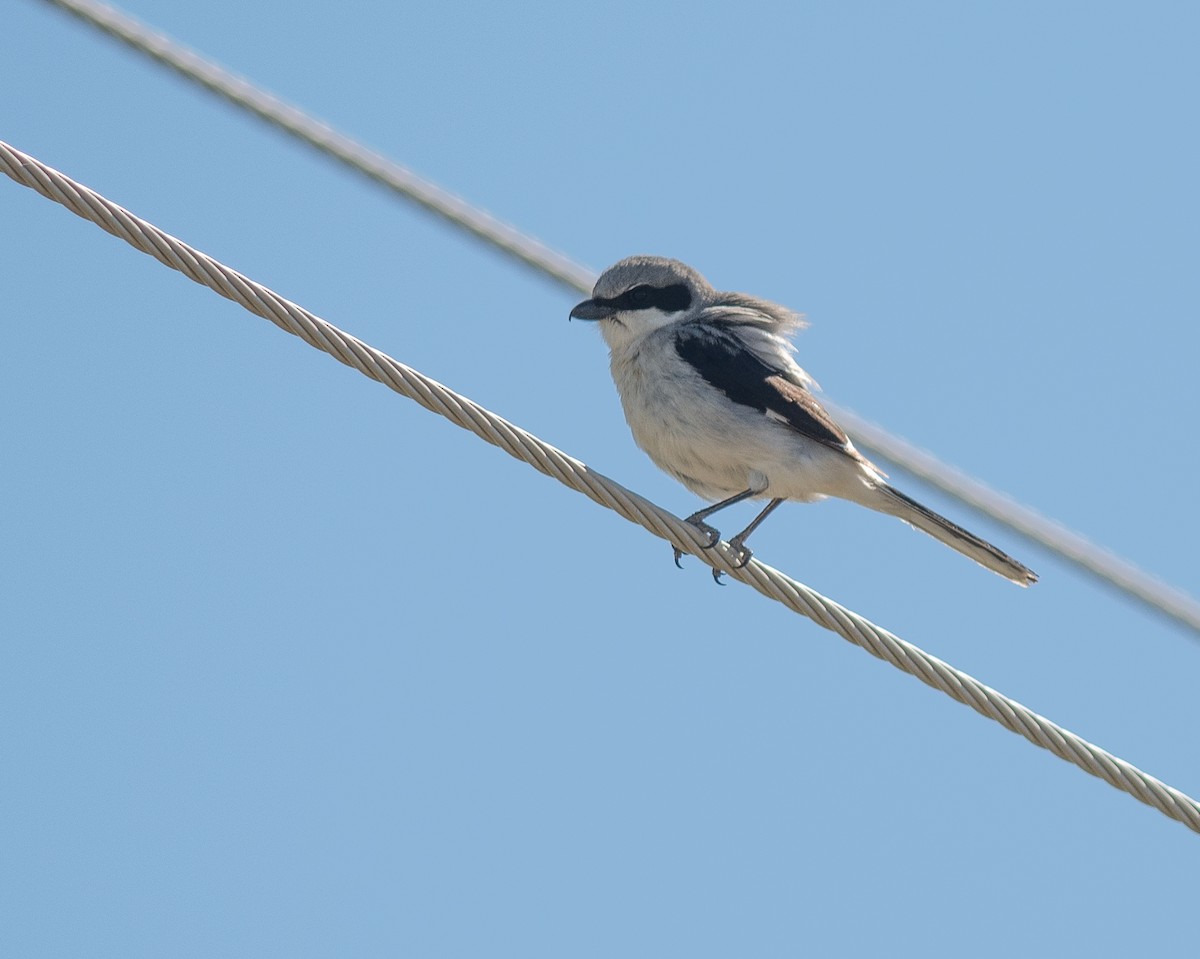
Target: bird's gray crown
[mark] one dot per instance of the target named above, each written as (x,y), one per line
(654,271)
(663,273)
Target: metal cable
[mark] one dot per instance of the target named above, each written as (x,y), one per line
(241,93)
(1092,558)
(575,474)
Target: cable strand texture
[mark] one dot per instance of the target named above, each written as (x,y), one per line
(545,458)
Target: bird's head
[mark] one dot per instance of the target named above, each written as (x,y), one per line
(640,294)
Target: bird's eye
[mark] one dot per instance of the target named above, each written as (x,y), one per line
(640,295)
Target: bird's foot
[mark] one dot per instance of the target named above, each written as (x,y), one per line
(742,556)
(741,552)
(714,536)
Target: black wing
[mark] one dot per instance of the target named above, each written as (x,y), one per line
(727,365)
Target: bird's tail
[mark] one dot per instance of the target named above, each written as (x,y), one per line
(984,553)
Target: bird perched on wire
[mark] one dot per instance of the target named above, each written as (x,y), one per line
(712,394)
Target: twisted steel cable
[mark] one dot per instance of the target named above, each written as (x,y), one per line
(515,441)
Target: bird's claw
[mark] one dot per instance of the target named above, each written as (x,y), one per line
(742,555)
(714,537)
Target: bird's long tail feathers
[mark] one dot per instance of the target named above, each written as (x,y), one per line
(984,553)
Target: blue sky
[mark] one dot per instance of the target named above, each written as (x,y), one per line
(292,667)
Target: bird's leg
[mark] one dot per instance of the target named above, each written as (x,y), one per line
(698,517)
(739,541)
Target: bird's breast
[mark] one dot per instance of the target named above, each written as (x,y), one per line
(688,429)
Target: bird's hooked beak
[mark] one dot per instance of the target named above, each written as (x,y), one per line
(596,309)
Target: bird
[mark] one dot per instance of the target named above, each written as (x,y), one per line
(713,395)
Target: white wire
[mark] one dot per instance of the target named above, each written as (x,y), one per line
(575,474)
(240,92)
(1095,559)
(1099,562)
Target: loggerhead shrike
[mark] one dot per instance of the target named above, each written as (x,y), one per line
(712,394)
